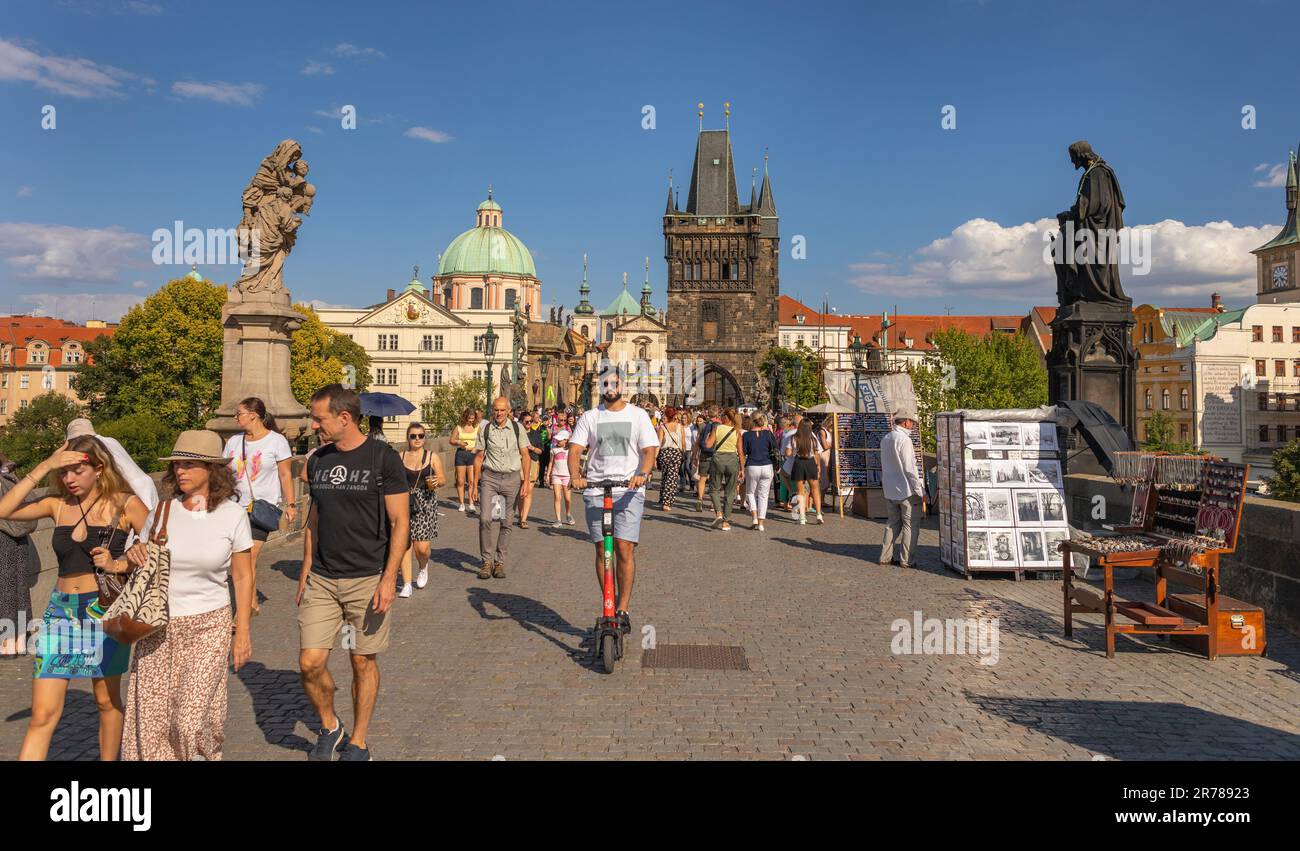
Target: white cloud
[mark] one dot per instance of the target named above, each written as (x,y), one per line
(63,254)
(428,134)
(141,8)
(982,259)
(318,304)
(74,77)
(314,69)
(351,51)
(1275,175)
(78,307)
(24,192)
(313,129)
(238,94)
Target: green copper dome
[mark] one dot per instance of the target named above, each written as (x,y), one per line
(487,250)
(489,204)
(623,304)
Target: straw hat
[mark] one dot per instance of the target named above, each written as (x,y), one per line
(197,445)
(80,427)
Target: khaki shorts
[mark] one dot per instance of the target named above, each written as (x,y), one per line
(328,604)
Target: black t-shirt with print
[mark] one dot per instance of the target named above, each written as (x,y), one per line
(351,525)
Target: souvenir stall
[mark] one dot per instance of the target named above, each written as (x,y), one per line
(1186,513)
(856,436)
(1001,494)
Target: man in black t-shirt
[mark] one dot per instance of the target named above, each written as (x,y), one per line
(357,532)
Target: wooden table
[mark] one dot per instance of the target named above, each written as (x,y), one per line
(1146,618)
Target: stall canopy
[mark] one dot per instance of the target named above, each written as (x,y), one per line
(1100,431)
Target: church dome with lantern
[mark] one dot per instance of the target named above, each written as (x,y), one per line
(488,268)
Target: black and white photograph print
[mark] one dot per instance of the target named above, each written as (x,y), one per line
(1010,474)
(977,548)
(975,512)
(1052,539)
(976,435)
(997,508)
(1032,552)
(1002,548)
(1052,506)
(1046,438)
(1004,435)
(979,474)
(1045,473)
(1027,511)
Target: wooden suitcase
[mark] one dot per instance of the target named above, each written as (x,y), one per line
(1241,625)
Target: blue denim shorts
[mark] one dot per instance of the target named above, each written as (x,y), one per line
(628,509)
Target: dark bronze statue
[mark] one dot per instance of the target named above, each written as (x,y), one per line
(1086,250)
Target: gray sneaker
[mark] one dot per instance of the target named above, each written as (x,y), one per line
(328,742)
(352,753)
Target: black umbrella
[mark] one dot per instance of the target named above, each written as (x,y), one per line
(1100,431)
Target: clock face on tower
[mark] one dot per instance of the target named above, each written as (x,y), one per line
(1280,276)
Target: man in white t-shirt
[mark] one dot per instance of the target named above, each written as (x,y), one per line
(621,445)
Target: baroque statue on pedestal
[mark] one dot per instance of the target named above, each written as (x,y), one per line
(272,202)
(1085,251)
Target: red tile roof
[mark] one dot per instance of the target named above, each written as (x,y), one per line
(18,331)
(921,328)
(788,308)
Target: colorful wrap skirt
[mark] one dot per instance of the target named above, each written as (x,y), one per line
(72,644)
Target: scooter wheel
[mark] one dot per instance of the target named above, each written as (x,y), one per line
(608,652)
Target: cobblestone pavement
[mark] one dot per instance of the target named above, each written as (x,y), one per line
(502,667)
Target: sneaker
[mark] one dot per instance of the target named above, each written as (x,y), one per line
(471,509)
(820,520)
(461,508)
(570,520)
(794,510)
(753,523)
(624,622)
(716,521)
(726,527)
(407,590)
(803,521)
(352,753)
(760,526)
(328,743)
(422,578)
(485,572)
(558,524)
(499,570)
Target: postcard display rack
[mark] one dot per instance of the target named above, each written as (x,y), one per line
(1001,496)
(1186,513)
(857,451)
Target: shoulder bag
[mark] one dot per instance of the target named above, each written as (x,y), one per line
(142,608)
(110,584)
(262,514)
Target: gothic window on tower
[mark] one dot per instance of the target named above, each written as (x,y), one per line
(726,271)
(710,313)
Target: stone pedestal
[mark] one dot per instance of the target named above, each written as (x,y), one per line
(1093,358)
(255,362)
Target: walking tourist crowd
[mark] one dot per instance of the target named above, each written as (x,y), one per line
(371,515)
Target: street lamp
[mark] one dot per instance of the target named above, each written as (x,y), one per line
(857,355)
(545,363)
(794,371)
(489,353)
(574,369)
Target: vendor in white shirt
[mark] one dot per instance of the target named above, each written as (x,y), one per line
(901,481)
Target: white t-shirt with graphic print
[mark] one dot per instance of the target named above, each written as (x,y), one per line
(614,440)
(264,457)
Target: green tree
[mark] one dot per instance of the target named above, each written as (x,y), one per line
(145,438)
(965,371)
(442,409)
(1285,484)
(809,391)
(37,430)
(1159,436)
(319,355)
(164,358)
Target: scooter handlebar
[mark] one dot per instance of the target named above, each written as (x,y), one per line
(610,484)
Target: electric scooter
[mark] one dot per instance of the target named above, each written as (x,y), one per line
(609,636)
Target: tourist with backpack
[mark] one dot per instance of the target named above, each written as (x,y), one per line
(502,472)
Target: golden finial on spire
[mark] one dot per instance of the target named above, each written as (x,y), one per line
(489,191)
(726,112)
(700,107)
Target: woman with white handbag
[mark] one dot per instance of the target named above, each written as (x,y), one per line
(93,512)
(177,691)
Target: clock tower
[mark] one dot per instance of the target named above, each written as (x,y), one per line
(1277,259)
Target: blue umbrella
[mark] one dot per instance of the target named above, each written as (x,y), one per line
(384,405)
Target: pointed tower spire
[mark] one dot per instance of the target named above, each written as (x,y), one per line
(1291,184)
(753,193)
(671,208)
(766,204)
(584,307)
(647,309)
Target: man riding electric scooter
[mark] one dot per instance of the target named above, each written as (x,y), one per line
(621,445)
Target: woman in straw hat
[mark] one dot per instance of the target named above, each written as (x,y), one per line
(176,695)
(93,513)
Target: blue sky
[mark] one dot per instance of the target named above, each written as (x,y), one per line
(164,111)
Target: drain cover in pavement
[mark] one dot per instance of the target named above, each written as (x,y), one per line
(711,657)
